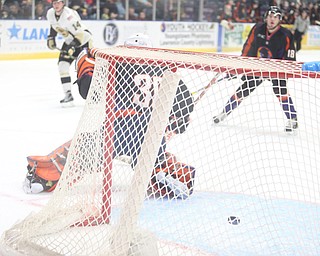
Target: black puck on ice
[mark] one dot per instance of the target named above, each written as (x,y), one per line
(233,220)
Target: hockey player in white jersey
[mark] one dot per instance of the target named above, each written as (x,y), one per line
(66,23)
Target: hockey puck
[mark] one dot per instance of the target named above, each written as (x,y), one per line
(233,220)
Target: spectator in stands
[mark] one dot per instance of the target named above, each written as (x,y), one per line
(40,11)
(105,13)
(15,11)
(254,12)
(26,9)
(92,12)
(227,13)
(121,10)
(240,11)
(83,13)
(132,14)
(142,15)
(300,27)
(113,10)
(4,14)
(143,5)
(172,15)
(314,13)
(160,9)
(289,13)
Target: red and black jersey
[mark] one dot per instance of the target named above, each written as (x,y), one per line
(277,45)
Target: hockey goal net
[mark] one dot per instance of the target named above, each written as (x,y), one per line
(145,178)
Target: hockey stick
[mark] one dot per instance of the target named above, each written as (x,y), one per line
(213,81)
(170,134)
(227,77)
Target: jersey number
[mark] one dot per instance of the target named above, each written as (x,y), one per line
(291,54)
(148,87)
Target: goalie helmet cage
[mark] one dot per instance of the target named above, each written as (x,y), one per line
(248,167)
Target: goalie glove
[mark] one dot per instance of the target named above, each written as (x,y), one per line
(51,42)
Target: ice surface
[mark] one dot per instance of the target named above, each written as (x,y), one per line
(34,123)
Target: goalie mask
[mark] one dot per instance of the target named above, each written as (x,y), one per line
(275,10)
(139,39)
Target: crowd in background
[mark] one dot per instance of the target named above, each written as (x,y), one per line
(166,10)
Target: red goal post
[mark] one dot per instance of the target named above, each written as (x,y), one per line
(111,200)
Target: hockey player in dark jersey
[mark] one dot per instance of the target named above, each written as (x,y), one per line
(132,89)
(267,40)
(132,107)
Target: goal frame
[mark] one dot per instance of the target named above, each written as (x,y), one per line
(209,62)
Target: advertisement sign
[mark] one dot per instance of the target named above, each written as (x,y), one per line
(21,38)
(313,36)
(237,36)
(177,35)
(187,35)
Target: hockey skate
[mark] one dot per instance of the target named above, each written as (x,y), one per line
(178,188)
(219,118)
(67,100)
(291,125)
(171,179)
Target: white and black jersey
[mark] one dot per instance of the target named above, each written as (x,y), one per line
(69,25)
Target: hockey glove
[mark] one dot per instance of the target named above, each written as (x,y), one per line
(67,52)
(51,42)
(71,48)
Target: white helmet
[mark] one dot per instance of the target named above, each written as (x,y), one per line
(139,39)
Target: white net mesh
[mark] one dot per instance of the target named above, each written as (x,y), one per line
(151,172)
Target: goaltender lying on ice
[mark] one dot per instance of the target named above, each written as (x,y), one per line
(170,178)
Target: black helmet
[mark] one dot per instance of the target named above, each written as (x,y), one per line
(275,10)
